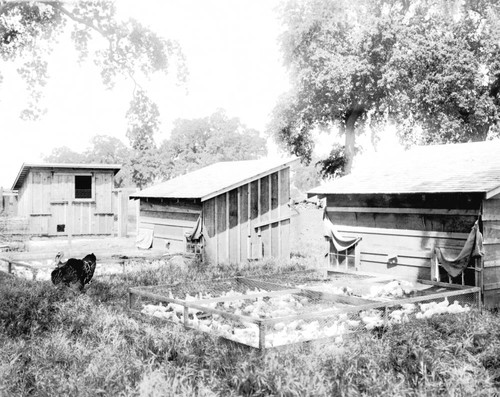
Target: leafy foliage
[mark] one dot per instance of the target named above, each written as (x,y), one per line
(143,122)
(64,154)
(104,149)
(197,143)
(427,65)
(29,31)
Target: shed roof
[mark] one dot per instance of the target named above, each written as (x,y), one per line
(26,167)
(214,179)
(451,168)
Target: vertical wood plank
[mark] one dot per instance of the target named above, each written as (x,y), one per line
(216,209)
(239,226)
(233,226)
(259,230)
(271,213)
(228,254)
(279,242)
(249,222)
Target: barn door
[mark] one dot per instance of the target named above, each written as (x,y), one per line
(62,193)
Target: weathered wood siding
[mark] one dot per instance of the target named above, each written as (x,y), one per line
(491,260)
(406,225)
(169,219)
(249,222)
(47,199)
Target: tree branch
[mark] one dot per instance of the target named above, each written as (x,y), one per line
(79,20)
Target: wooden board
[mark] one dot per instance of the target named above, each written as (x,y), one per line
(221,231)
(285,239)
(275,240)
(255,248)
(491,210)
(168,206)
(264,198)
(234,238)
(275,189)
(244,231)
(171,222)
(436,223)
(466,201)
(209,231)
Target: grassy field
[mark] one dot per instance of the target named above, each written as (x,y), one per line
(56,343)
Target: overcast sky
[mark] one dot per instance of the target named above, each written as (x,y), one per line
(233,59)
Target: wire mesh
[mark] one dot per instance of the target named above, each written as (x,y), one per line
(264,313)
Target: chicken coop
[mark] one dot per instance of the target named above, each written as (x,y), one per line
(66,199)
(228,212)
(432,213)
(278,310)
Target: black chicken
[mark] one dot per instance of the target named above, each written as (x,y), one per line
(74,273)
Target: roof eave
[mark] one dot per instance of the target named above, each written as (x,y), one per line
(26,167)
(249,180)
(492,193)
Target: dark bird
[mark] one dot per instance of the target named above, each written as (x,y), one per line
(74,273)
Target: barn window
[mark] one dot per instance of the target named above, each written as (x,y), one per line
(83,186)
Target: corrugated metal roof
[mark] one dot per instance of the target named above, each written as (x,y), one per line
(213,180)
(26,167)
(465,167)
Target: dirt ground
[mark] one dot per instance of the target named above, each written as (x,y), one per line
(306,239)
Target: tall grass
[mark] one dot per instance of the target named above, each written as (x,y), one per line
(56,343)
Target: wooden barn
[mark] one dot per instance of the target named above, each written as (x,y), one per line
(432,212)
(66,199)
(230,212)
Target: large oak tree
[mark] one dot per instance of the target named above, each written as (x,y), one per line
(121,48)
(428,65)
(196,143)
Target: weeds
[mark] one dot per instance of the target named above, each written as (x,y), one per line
(54,342)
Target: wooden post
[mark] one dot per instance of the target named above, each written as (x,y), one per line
(228,242)
(479,264)
(132,299)
(249,217)
(9,267)
(262,336)
(238,243)
(279,242)
(216,217)
(186,317)
(137,215)
(270,211)
(69,224)
(259,212)
(357,256)
(434,266)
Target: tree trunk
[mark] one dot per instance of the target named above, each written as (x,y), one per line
(350,136)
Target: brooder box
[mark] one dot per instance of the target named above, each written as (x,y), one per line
(284,309)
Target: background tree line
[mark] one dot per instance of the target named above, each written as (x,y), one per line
(430,67)
(193,144)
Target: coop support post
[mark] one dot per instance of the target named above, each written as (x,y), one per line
(386,317)
(132,299)
(186,317)
(434,266)
(9,267)
(479,273)
(357,256)
(262,335)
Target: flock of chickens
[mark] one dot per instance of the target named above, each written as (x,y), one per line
(287,332)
